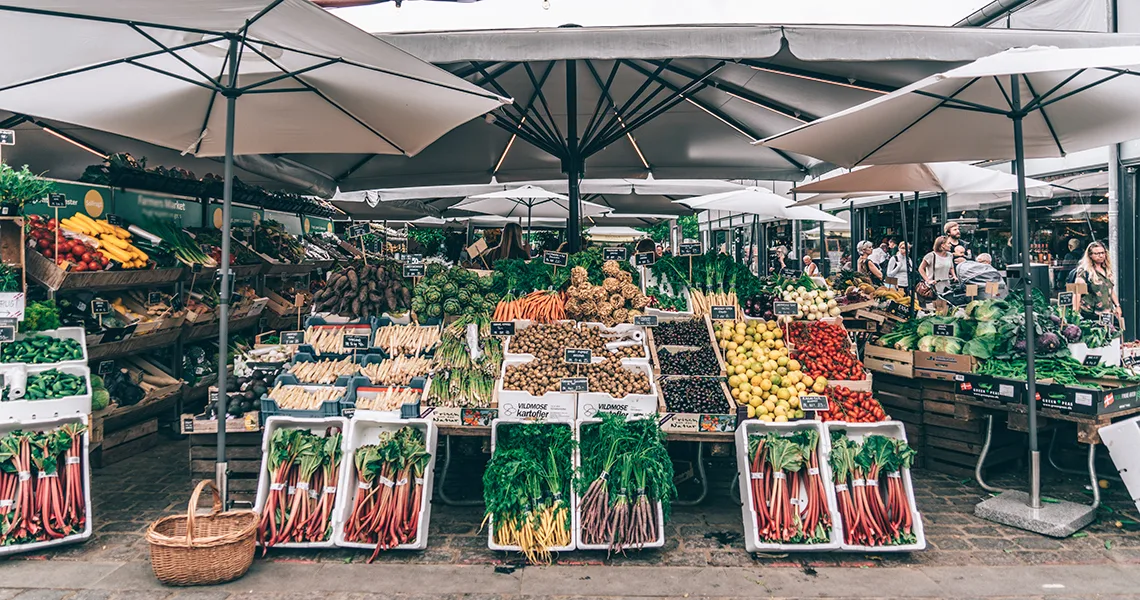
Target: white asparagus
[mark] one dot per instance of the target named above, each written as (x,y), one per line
(387,400)
(296,397)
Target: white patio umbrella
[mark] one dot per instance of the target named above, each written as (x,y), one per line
(750,200)
(535,201)
(948,178)
(183,74)
(1028,102)
(809,213)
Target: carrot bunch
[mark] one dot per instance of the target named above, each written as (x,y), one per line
(389,492)
(540,306)
(787,490)
(872,517)
(303,470)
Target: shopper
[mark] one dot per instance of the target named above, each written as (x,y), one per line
(1095,271)
(900,265)
(511,246)
(1069,262)
(879,255)
(780,263)
(953,231)
(866,266)
(937,267)
(985,259)
(810,268)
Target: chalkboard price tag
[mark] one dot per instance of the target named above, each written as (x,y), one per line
(789,272)
(1106,319)
(348,412)
(116,220)
(100,307)
(643,259)
(578,356)
(723,313)
(1092,360)
(7,334)
(292,338)
(557,259)
(689,249)
(944,329)
(356,342)
(502,328)
(645,321)
(574,385)
(416,270)
(413,258)
(614,253)
(154,298)
(7,137)
(900,310)
(107,366)
(1065,298)
(790,309)
(57,200)
(358,230)
(814,402)
(213,395)
(196,268)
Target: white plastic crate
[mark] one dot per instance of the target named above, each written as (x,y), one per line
(592,403)
(46,425)
(517,405)
(891,429)
(1123,442)
(74,333)
(752,541)
(315,425)
(491,544)
(20,409)
(364,430)
(660,510)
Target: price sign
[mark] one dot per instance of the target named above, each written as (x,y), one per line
(891,280)
(971,291)
(578,356)
(412,258)
(723,313)
(196,268)
(785,308)
(213,395)
(993,287)
(645,321)
(116,220)
(814,402)
(941,307)
(617,253)
(7,137)
(643,259)
(154,298)
(357,230)
(106,367)
(557,259)
(356,342)
(292,338)
(1106,319)
(789,272)
(574,385)
(7,333)
(100,307)
(1065,298)
(417,270)
(944,329)
(502,328)
(689,249)
(1092,360)
(57,200)
(348,412)
(897,309)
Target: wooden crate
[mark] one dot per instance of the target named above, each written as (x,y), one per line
(954,440)
(899,363)
(243,452)
(46,273)
(124,443)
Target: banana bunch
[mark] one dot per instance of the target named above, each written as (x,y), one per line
(113,241)
(891,294)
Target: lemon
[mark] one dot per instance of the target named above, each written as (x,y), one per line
(770,406)
(761,410)
(794,402)
(783,394)
(733,381)
(723,344)
(754,401)
(782,370)
(735,392)
(801,386)
(776,380)
(781,419)
(780,411)
(745,387)
(751,413)
(779,343)
(765,385)
(745,396)
(782,360)
(799,414)
(768,336)
(779,333)
(730,345)
(757,381)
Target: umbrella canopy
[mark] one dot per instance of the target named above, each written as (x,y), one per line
(1026,102)
(751,200)
(947,178)
(554,208)
(609,233)
(809,213)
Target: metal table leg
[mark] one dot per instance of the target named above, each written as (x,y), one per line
(701,477)
(734,491)
(442,487)
(982,457)
(1053,461)
(1092,476)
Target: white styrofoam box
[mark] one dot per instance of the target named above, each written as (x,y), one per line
(404,319)
(318,426)
(891,429)
(657,543)
(686,314)
(35,410)
(491,544)
(363,430)
(1123,441)
(592,403)
(74,333)
(521,324)
(1110,355)
(752,541)
(47,425)
(516,405)
(644,339)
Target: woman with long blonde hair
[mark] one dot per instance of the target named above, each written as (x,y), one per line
(1095,271)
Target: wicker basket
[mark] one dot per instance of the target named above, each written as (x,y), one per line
(202,549)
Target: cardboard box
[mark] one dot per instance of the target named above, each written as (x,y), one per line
(1088,401)
(899,363)
(192,424)
(990,389)
(941,361)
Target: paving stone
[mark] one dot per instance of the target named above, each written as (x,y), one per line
(44,594)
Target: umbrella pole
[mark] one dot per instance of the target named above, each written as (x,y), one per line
(913,273)
(1027,291)
(906,265)
(222,466)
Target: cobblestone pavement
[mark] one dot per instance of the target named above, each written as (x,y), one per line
(129,495)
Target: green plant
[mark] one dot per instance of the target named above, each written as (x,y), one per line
(430,239)
(9,279)
(17,187)
(659,233)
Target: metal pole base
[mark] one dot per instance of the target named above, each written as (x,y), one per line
(1058,520)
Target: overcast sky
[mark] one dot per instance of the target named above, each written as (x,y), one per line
(501,14)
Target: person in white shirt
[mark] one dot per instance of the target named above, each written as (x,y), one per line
(879,254)
(899,266)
